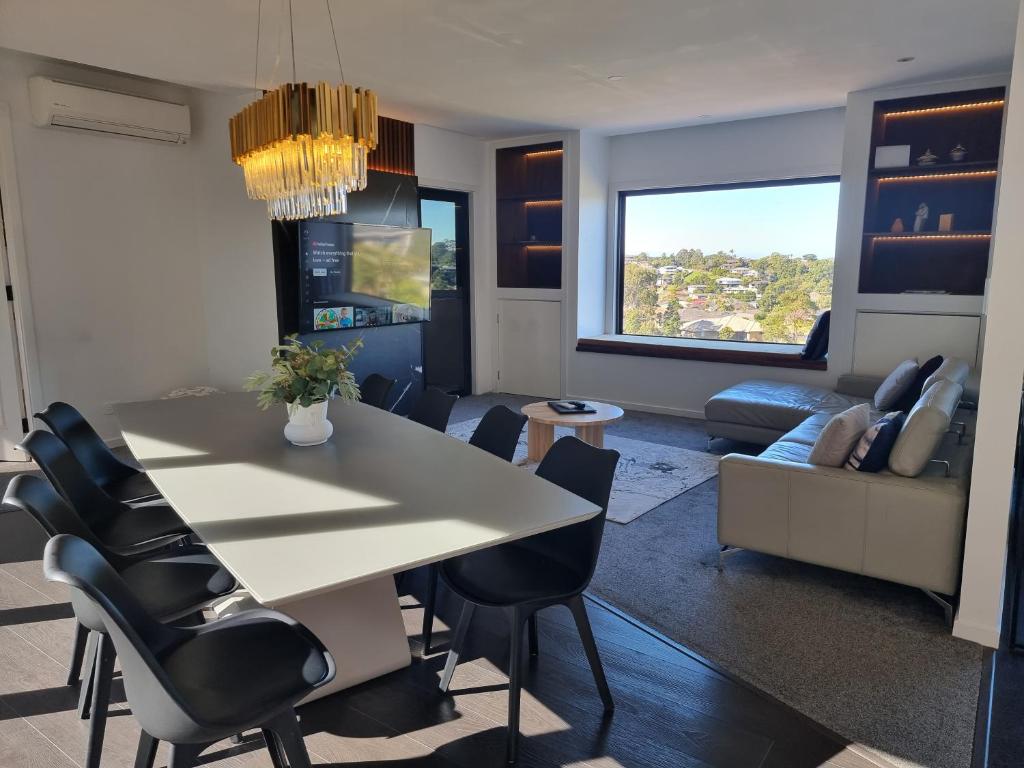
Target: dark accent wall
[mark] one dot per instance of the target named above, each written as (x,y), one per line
(394,351)
(395,148)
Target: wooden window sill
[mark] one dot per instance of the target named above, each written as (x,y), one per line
(708,352)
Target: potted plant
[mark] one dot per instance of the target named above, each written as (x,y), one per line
(305,377)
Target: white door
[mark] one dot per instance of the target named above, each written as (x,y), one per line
(11,398)
(530,347)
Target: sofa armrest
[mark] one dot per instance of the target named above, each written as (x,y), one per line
(858,385)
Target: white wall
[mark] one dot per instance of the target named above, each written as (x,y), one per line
(233,241)
(110,246)
(981,596)
(801,145)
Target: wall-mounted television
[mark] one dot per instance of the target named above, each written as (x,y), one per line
(362,276)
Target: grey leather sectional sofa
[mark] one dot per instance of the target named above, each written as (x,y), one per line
(904,524)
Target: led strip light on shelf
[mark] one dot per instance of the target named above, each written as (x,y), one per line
(915,236)
(938,176)
(951,108)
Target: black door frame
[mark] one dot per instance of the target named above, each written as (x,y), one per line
(462,275)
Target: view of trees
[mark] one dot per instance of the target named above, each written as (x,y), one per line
(691,294)
(442,266)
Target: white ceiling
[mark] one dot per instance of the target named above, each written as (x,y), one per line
(503,67)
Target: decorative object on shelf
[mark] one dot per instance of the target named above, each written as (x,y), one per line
(897,225)
(303,147)
(957,153)
(945,222)
(928,158)
(893,156)
(920,217)
(304,377)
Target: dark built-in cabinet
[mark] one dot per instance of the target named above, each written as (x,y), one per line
(953,260)
(528,184)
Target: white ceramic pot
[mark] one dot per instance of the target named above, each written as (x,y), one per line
(308,426)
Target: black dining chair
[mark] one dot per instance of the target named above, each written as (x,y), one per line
(375,390)
(433,409)
(128,529)
(497,433)
(171,586)
(194,686)
(526,576)
(118,479)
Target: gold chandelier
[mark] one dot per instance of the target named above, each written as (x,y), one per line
(303,148)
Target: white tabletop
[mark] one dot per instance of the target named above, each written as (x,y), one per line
(382,495)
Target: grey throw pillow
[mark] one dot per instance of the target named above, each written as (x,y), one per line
(895,385)
(837,440)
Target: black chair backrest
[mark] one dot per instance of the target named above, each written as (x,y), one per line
(69,477)
(498,432)
(433,409)
(88,447)
(588,472)
(139,639)
(39,499)
(375,390)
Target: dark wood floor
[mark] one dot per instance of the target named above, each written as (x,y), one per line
(673,710)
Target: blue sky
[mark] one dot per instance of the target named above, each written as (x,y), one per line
(753,222)
(439,216)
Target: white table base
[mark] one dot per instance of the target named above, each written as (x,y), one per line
(361,626)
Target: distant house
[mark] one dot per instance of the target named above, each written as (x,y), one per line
(727,282)
(695,289)
(744,328)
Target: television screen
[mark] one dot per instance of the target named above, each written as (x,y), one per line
(362,275)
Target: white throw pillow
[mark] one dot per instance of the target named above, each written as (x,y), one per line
(840,436)
(895,385)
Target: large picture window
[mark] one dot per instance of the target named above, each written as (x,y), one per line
(738,262)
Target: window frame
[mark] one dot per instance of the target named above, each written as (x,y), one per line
(620,248)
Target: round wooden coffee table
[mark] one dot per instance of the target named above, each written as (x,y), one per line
(543,420)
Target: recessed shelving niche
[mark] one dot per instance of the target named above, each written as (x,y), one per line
(528,183)
(953,260)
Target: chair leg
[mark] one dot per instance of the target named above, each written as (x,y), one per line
(88,669)
(515,682)
(579,613)
(534,637)
(145,755)
(104,673)
(428,608)
(77,653)
(274,749)
(185,755)
(457,640)
(286,729)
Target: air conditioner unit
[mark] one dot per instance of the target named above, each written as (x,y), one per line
(55,102)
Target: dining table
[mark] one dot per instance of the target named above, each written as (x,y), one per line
(318,532)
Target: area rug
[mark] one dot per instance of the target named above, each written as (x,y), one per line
(872,661)
(648,474)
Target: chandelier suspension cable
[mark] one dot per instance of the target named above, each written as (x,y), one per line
(291,30)
(334,34)
(256,69)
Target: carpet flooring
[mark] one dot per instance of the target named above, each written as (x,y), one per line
(648,474)
(869,659)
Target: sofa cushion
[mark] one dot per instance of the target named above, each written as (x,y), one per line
(895,385)
(925,426)
(839,437)
(875,445)
(808,430)
(913,392)
(774,405)
(952,369)
(787,451)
